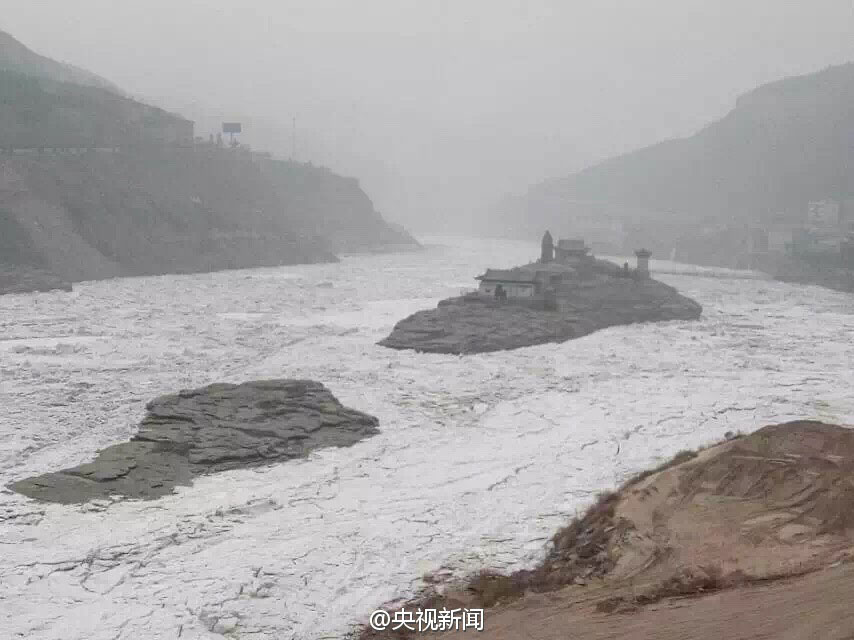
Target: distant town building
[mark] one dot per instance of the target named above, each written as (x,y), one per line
(757,240)
(779,239)
(823,214)
(846,218)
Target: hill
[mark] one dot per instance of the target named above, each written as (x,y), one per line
(94,184)
(37,112)
(17,58)
(170,210)
(784,144)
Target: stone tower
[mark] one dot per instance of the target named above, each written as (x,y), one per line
(643,263)
(548,251)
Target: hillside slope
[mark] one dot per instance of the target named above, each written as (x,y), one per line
(166,210)
(94,185)
(784,144)
(39,112)
(16,57)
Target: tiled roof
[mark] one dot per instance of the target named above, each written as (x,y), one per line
(571,243)
(508,275)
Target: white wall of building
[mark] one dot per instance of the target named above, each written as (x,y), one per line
(513,289)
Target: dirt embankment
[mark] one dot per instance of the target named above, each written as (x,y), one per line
(761,526)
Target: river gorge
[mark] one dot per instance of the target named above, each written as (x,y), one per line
(478,460)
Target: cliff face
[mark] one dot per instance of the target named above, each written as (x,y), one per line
(170,210)
(335,209)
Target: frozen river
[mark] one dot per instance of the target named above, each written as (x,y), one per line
(480,458)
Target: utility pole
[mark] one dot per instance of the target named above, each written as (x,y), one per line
(294,139)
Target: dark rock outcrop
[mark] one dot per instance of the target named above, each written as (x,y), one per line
(203,431)
(23,279)
(475,325)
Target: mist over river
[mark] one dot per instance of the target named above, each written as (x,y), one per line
(480,458)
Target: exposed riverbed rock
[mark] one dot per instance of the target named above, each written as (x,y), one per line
(475,325)
(202,431)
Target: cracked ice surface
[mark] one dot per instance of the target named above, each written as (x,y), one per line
(480,458)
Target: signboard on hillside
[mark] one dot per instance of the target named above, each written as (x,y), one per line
(231,127)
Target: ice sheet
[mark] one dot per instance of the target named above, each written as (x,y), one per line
(480,458)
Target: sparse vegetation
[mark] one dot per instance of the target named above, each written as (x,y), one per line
(580,552)
(683,456)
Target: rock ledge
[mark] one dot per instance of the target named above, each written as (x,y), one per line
(202,431)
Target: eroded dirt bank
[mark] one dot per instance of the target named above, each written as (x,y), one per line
(764,522)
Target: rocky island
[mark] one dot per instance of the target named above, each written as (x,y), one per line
(566,294)
(207,430)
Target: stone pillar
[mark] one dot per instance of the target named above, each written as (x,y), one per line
(548,248)
(642,270)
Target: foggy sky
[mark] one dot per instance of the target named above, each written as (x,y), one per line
(441,106)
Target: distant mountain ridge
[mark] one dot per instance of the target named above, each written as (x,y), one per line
(44,103)
(785,143)
(16,57)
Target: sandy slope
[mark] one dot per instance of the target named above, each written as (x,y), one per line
(762,522)
(814,606)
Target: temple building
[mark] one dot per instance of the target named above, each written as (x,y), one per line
(516,283)
(561,270)
(571,251)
